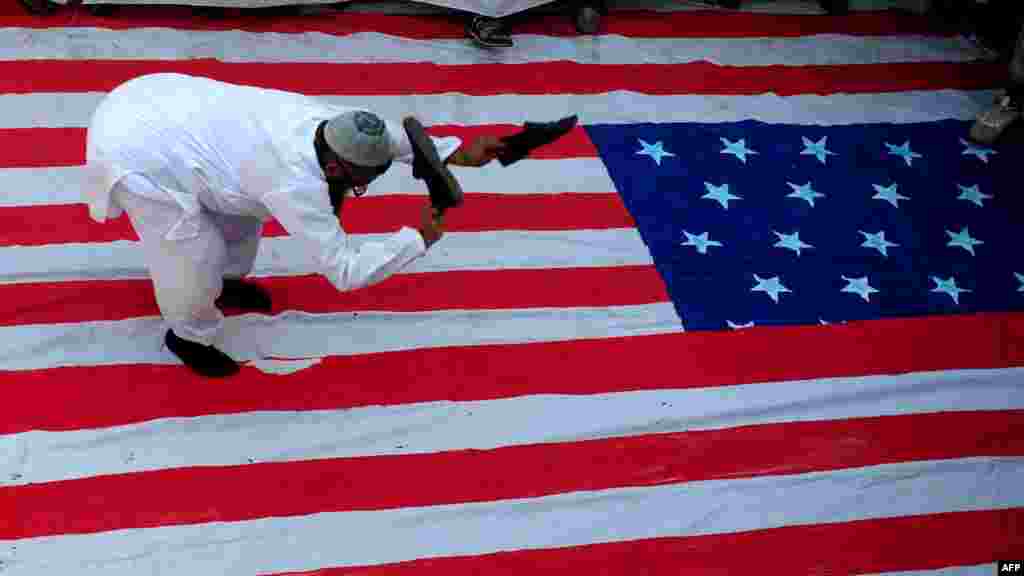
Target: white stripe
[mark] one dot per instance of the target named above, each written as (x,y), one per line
(302,335)
(617,107)
(290,256)
(63,185)
(233,439)
(367,47)
(579,518)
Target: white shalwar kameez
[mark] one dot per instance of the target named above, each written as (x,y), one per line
(200,165)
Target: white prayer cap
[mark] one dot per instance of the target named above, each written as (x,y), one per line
(359,137)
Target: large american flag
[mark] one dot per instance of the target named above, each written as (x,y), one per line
(759,313)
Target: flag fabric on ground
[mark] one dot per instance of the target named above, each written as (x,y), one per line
(760,311)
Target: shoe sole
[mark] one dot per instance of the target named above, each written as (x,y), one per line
(421,141)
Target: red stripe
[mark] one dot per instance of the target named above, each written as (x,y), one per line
(22,77)
(40,147)
(83,301)
(637,24)
(34,225)
(238,493)
(575,144)
(467,373)
(928,542)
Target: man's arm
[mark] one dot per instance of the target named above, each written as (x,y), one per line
(458,158)
(477,153)
(305,213)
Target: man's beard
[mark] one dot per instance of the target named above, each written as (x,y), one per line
(336,191)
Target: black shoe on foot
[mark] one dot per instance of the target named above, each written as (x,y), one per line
(427,165)
(203,360)
(534,135)
(489,33)
(243,295)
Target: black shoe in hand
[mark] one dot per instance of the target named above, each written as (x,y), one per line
(533,136)
(243,295)
(427,165)
(203,360)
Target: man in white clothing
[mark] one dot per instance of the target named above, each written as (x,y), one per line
(200,165)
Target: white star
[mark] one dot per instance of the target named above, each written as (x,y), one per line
(736,326)
(699,241)
(720,194)
(816,149)
(877,241)
(791,241)
(738,149)
(963,240)
(948,287)
(972,194)
(1020,278)
(804,192)
(859,286)
(903,151)
(888,194)
(770,286)
(978,151)
(827,323)
(654,151)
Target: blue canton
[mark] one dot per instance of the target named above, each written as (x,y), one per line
(753,224)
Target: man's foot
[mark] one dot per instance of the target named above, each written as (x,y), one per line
(243,296)
(533,136)
(488,32)
(992,123)
(427,165)
(203,360)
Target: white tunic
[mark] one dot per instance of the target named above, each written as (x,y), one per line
(236,150)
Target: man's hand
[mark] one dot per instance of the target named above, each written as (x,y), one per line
(479,152)
(431,225)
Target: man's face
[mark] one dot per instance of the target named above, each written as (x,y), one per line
(341,175)
(347,176)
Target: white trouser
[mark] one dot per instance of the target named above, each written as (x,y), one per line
(188,274)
